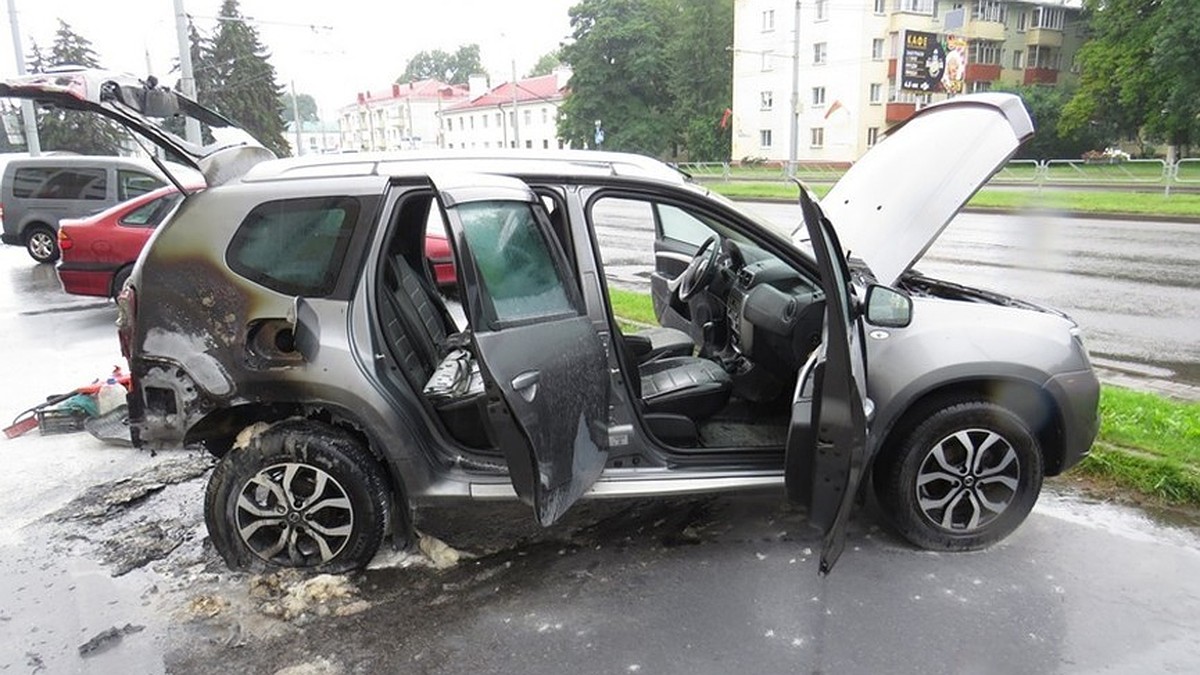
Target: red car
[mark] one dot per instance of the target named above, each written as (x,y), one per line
(437,250)
(98,252)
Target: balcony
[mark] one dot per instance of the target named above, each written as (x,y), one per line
(898,112)
(1041,75)
(978,29)
(982,72)
(891,69)
(1044,37)
(901,21)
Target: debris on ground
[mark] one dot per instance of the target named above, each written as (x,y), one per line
(100,502)
(248,434)
(142,544)
(206,606)
(441,554)
(318,666)
(288,596)
(106,640)
(67,412)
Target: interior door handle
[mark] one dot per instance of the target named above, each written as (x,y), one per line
(526,384)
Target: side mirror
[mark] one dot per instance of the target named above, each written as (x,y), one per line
(306,329)
(888,307)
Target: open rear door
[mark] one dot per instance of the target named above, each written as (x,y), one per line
(542,361)
(826,444)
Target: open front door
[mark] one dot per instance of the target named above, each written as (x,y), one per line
(826,444)
(542,361)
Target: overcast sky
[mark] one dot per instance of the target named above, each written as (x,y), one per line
(330,48)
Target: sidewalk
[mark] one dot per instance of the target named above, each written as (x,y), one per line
(1143,378)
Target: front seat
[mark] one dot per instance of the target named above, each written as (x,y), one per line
(659,342)
(684,385)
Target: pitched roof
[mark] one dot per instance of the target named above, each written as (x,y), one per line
(420,89)
(542,88)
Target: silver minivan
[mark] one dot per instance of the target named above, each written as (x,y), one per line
(37,192)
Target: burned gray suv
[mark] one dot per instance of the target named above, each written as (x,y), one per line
(286,319)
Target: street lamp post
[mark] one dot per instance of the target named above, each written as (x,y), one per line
(794,141)
(32,142)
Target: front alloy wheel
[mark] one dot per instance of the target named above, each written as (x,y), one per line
(302,494)
(963,479)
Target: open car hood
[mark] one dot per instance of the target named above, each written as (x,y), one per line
(145,107)
(894,202)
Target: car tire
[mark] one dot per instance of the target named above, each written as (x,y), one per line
(118,281)
(301,494)
(962,479)
(42,244)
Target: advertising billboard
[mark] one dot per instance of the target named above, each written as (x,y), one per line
(933,63)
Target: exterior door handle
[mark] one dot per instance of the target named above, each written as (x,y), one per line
(526,384)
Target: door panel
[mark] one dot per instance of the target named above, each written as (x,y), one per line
(826,444)
(541,358)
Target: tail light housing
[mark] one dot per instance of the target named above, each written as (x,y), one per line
(64,240)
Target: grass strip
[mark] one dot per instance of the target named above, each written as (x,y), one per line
(1147,443)
(1126,203)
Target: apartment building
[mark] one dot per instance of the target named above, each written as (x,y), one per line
(404,117)
(491,118)
(857,67)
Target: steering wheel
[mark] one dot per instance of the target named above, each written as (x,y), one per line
(701,271)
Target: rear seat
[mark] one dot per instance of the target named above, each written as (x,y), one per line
(416,325)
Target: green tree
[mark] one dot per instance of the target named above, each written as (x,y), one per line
(306,103)
(546,64)
(243,80)
(1046,105)
(701,77)
(437,64)
(620,76)
(1138,71)
(73,130)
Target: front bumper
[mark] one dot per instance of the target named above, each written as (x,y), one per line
(11,239)
(1077,395)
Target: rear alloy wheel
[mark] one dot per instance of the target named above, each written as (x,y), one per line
(42,244)
(303,494)
(963,479)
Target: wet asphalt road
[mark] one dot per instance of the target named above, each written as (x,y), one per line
(1134,286)
(672,586)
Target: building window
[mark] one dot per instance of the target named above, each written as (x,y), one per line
(1047,17)
(472,121)
(528,117)
(877,49)
(876,92)
(1022,18)
(880,6)
(545,116)
(545,144)
(818,96)
(764,138)
(872,136)
(499,121)
(819,53)
(766,100)
(768,61)
(982,51)
(528,144)
(893,45)
(818,137)
(916,6)
(981,85)
(768,20)
(483,120)
(1018,59)
(822,7)
(989,10)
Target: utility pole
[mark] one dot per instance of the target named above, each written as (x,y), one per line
(296,118)
(32,142)
(515,125)
(187,80)
(794,141)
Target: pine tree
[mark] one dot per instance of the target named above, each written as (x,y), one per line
(243,80)
(72,130)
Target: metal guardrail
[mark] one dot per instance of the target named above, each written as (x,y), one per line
(1034,173)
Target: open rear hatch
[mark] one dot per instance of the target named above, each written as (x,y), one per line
(223,151)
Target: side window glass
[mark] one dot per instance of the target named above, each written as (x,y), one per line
(152,213)
(294,246)
(514,261)
(60,183)
(682,226)
(132,184)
